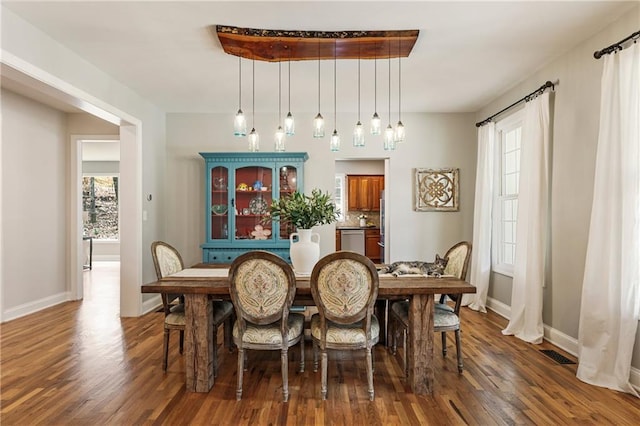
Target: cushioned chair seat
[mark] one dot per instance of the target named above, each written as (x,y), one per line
(340,333)
(444,307)
(271,333)
(441,318)
(175,319)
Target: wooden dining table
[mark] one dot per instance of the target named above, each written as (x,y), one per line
(204,282)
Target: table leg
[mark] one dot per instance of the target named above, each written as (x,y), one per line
(198,342)
(420,344)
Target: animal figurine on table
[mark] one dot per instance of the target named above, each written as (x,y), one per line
(435,268)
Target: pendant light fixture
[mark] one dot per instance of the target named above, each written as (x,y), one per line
(240,122)
(399,131)
(318,122)
(375,120)
(289,123)
(335,138)
(254,138)
(279,137)
(358,131)
(389,144)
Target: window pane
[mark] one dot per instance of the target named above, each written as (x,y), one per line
(100,207)
(511,187)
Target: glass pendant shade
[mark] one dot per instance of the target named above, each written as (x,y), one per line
(318,126)
(240,124)
(376,124)
(254,141)
(389,144)
(334,145)
(240,121)
(399,132)
(289,125)
(358,135)
(279,140)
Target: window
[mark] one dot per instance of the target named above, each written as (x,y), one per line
(100,207)
(339,194)
(509,133)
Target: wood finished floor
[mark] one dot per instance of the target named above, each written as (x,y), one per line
(79,363)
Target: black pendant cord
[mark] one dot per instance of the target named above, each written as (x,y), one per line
(527,98)
(616,46)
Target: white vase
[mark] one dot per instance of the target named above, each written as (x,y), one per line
(305,252)
(363,222)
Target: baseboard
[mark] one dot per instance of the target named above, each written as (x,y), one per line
(106,258)
(557,338)
(499,308)
(35,306)
(152,304)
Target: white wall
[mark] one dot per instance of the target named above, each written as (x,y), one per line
(142,158)
(576,109)
(34,216)
(433,140)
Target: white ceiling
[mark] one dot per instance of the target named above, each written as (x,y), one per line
(467,54)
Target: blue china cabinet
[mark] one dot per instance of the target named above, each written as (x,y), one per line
(239,188)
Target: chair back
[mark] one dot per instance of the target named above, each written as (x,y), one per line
(459,256)
(344,286)
(262,287)
(166,259)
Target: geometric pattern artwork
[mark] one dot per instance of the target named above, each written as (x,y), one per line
(436,190)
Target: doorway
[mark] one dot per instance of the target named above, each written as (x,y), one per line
(374,214)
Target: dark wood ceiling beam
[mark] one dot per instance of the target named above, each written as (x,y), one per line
(280,45)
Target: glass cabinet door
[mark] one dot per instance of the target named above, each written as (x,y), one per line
(288,180)
(219,203)
(253,195)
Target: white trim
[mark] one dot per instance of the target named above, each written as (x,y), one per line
(35,306)
(130,171)
(557,338)
(499,308)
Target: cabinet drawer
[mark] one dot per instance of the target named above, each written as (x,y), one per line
(220,256)
(212,255)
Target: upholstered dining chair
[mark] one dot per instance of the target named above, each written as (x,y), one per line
(445,317)
(167,261)
(262,287)
(344,286)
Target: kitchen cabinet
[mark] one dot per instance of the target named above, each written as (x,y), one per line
(371,246)
(338,241)
(239,188)
(364,192)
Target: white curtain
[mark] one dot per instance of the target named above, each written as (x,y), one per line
(611,286)
(531,228)
(482,223)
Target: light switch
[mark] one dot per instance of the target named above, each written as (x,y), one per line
(144,215)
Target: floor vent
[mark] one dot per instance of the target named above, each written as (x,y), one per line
(560,359)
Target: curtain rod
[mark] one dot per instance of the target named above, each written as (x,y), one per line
(531,95)
(615,46)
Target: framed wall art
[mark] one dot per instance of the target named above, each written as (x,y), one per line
(436,190)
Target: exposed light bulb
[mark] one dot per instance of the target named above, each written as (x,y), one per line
(279,140)
(358,135)
(240,124)
(375,124)
(254,141)
(389,144)
(289,125)
(399,132)
(318,126)
(334,145)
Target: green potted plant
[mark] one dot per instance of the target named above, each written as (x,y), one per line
(304,212)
